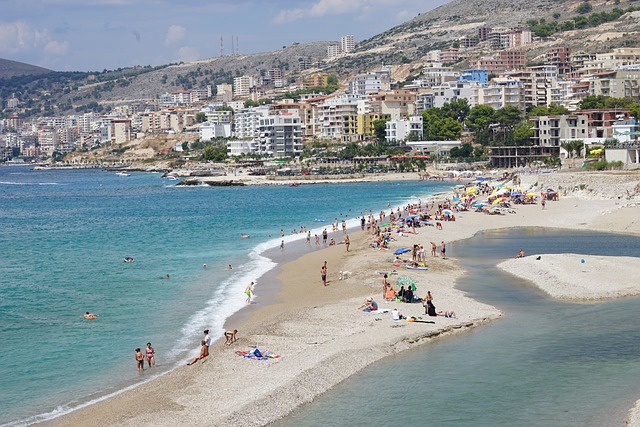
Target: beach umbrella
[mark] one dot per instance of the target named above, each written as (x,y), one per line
(447,212)
(532,194)
(498,200)
(472,190)
(516,194)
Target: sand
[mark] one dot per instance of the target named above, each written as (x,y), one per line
(579,277)
(322,338)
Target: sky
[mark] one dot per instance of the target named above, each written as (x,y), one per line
(94,35)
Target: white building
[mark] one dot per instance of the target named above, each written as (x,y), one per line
(280,136)
(210,130)
(333,51)
(502,92)
(347,44)
(402,129)
(242,85)
(247,121)
(241,146)
(337,117)
(377,81)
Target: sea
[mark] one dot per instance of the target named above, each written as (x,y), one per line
(64,235)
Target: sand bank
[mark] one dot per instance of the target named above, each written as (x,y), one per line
(578,277)
(321,337)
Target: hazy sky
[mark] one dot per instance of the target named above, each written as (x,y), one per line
(92,35)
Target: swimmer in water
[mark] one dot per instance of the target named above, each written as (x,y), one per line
(229,267)
(90,316)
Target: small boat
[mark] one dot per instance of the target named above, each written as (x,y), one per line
(172,178)
(122,174)
(127,259)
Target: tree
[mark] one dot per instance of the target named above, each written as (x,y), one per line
(592,102)
(523,133)
(479,122)
(201,117)
(458,109)
(380,130)
(584,7)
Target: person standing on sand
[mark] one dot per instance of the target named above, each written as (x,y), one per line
(324,237)
(385,287)
(443,251)
(308,238)
(347,242)
(323,274)
(344,227)
(543,202)
(139,360)
(207,338)
(433,248)
(282,246)
(317,240)
(249,292)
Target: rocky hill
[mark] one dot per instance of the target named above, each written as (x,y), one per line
(403,46)
(10,69)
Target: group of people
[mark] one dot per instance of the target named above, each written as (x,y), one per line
(149,354)
(230,338)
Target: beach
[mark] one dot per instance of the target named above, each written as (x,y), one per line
(322,338)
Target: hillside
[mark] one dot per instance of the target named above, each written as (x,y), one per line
(403,47)
(10,69)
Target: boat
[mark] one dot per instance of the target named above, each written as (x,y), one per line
(173,178)
(122,174)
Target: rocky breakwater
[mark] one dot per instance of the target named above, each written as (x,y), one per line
(190,182)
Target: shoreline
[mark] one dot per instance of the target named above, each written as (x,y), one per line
(302,309)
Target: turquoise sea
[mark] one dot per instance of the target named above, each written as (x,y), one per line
(63,237)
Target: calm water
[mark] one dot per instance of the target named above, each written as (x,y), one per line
(546,363)
(63,236)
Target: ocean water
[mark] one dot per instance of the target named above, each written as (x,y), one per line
(63,237)
(546,363)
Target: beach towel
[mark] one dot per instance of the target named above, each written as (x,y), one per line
(256,354)
(401,251)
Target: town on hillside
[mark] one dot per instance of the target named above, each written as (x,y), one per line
(570,108)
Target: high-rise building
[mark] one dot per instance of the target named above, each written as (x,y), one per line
(347,44)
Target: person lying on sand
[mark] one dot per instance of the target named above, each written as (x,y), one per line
(230,336)
(450,314)
(204,352)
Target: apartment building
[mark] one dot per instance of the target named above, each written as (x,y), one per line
(377,81)
(338,117)
(536,82)
(247,122)
(242,86)
(366,121)
(396,103)
(347,43)
(402,129)
(506,60)
(502,92)
(621,83)
(120,131)
(552,131)
(280,136)
(560,56)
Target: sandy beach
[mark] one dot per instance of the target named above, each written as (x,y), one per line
(322,338)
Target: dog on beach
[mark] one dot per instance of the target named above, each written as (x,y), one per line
(230,336)
(343,275)
(438,225)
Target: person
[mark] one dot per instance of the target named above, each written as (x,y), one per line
(408,295)
(90,316)
(427,299)
(543,202)
(433,248)
(204,352)
(230,336)
(207,338)
(395,314)
(324,236)
(520,254)
(385,286)
(450,314)
(362,223)
(282,245)
(443,251)
(430,309)
(139,360)
(229,267)
(332,242)
(323,273)
(344,227)
(368,305)
(308,238)
(168,276)
(347,242)
(151,359)
(317,240)
(204,266)
(249,292)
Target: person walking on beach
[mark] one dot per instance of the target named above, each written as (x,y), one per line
(308,238)
(317,240)
(151,358)
(249,292)
(207,338)
(282,246)
(347,242)
(323,274)
(344,227)
(139,360)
